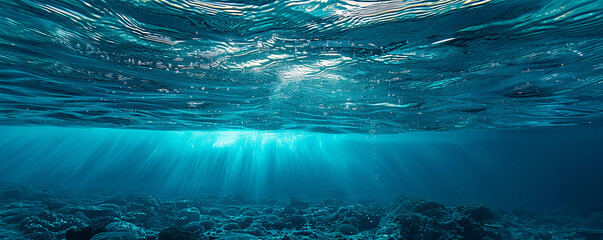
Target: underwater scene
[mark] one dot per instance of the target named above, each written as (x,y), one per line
(301,119)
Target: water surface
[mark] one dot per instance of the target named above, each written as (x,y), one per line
(322,66)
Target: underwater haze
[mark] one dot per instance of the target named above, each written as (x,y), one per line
(290,119)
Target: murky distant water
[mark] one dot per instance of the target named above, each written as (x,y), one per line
(324,66)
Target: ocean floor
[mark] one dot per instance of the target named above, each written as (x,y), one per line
(52,213)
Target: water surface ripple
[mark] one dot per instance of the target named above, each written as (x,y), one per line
(335,66)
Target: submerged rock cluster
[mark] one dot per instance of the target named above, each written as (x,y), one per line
(27,213)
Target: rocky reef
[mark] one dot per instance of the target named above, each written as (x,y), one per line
(29,213)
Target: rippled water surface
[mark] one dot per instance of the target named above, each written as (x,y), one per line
(327,66)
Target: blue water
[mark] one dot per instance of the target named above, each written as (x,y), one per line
(332,66)
(496,102)
(529,169)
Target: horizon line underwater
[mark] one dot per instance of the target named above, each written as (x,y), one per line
(331,119)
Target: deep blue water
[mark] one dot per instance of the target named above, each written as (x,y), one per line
(496,102)
(528,169)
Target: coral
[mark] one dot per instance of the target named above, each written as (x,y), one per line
(125,226)
(208,224)
(215,212)
(358,216)
(407,218)
(295,220)
(478,213)
(348,229)
(231,226)
(176,234)
(84,233)
(115,236)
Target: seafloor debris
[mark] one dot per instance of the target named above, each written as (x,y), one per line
(28,213)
